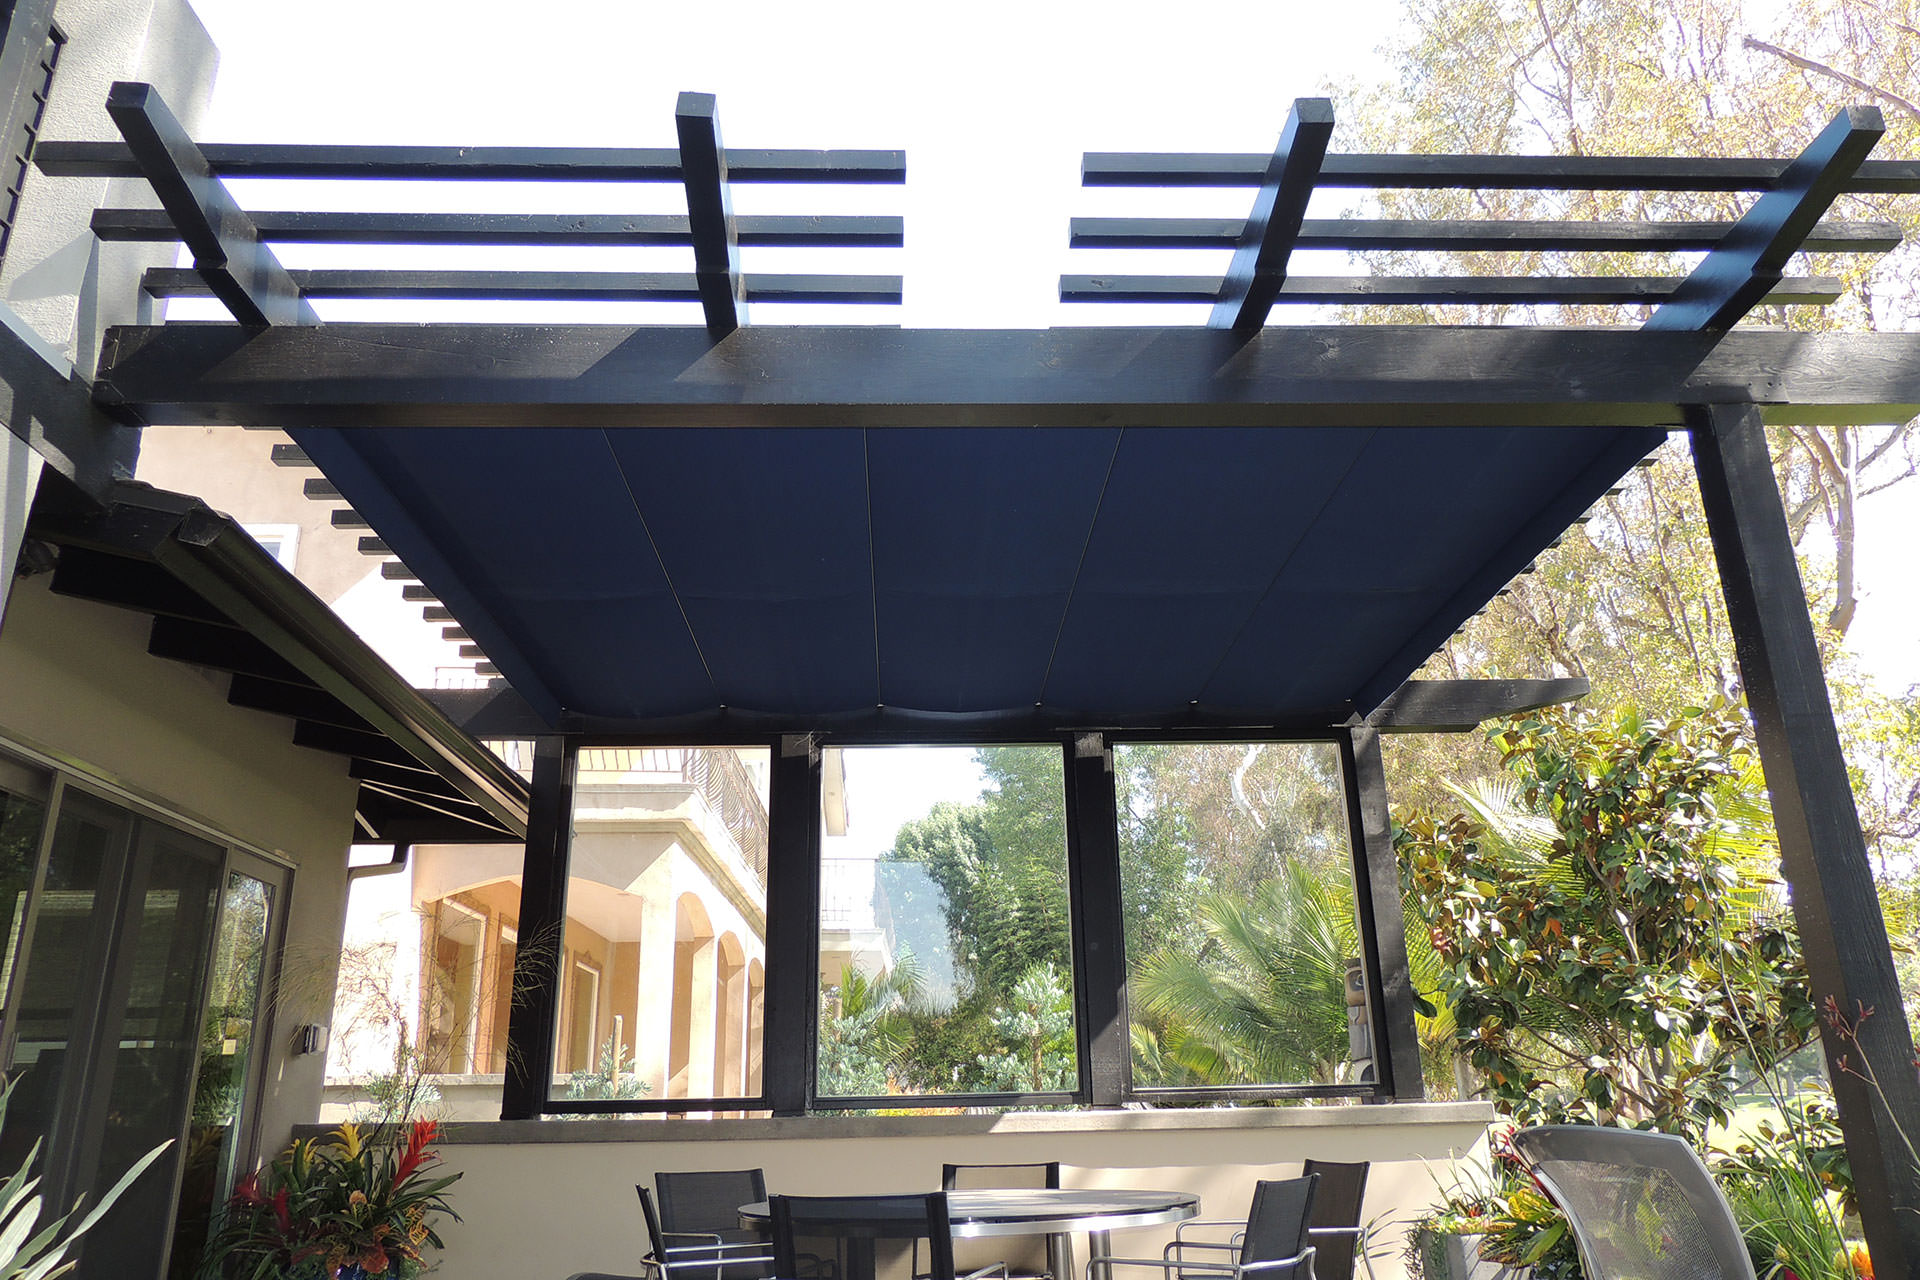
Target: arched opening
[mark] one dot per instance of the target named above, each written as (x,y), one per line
(756,1023)
(690,1057)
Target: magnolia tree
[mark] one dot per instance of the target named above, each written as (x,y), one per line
(1612,943)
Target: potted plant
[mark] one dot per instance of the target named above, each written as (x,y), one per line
(347,1209)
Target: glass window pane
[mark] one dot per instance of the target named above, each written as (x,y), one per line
(664,952)
(227,1043)
(1237,886)
(945,944)
(23,816)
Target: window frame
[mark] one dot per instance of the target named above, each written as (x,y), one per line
(789,1049)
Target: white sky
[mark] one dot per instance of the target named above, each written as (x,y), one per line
(993,102)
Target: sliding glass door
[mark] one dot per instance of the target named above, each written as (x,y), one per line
(135,969)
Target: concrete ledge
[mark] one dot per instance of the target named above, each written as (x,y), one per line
(825,1127)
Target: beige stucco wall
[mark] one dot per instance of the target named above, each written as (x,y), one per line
(575,1181)
(66,284)
(76,683)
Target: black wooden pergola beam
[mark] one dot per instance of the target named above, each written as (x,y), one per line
(1430,290)
(227,249)
(802,376)
(1738,273)
(716,238)
(1259,267)
(561,286)
(1507,173)
(798,231)
(1458,235)
(482,164)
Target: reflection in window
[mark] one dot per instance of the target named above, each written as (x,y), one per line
(664,951)
(945,947)
(1237,886)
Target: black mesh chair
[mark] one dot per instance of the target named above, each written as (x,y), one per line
(1335,1227)
(842,1235)
(696,1231)
(1025,1257)
(1272,1244)
(1641,1204)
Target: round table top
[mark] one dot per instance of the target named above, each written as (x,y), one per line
(1046,1212)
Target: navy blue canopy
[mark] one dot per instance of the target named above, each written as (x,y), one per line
(674,580)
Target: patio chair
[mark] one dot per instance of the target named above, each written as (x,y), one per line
(844,1231)
(1335,1228)
(696,1228)
(1272,1244)
(1025,1257)
(1642,1204)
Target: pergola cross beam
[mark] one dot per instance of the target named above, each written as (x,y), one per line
(1738,273)
(227,248)
(716,236)
(1259,266)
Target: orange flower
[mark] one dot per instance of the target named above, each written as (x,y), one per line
(1862,1264)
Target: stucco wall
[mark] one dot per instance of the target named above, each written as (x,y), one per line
(536,1203)
(56,276)
(77,683)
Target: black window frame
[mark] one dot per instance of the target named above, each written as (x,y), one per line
(1099,980)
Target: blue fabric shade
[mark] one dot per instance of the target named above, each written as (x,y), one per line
(666,579)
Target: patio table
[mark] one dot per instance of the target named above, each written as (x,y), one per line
(1056,1214)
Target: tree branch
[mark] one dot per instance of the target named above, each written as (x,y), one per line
(1833,73)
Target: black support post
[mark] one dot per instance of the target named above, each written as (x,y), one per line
(793,920)
(1842,931)
(1382,928)
(1101,1019)
(533,1019)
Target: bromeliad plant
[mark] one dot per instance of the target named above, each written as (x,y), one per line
(347,1209)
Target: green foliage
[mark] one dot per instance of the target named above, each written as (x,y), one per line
(321,1207)
(1616,976)
(34,1250)
(611,1076)
(1498,1201)
(865,1029)
(1263,999)
(1036,1026)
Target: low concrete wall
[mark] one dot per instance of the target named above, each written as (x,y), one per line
(545,1199)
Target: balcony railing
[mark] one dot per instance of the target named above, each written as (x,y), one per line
(717,775)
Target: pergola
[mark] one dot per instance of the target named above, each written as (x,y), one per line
(802,536)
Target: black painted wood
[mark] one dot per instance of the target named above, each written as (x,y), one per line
(466,375)
(1102,1023)
(1741,271)
(1261,252)
(539,286)
(1545,173)
(1459,706)
(614,229)
(301,702)
(347,742)
(221,647)
(1382,927)
(533,1019)
(129,584)
(716,240)
(1434,290)
(482,164)
(52,409)
(227,249)
(1468,235)
(412,780)
(290,455)
(28,52)
(1843,933)
(793,920)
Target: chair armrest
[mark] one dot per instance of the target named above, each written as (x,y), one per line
(1161,1264)
(1178,1248)
(1285,1265)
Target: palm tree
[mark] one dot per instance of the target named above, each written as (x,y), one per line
(1263,1000)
